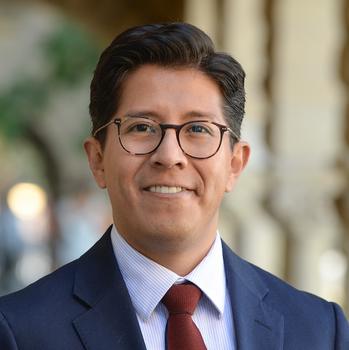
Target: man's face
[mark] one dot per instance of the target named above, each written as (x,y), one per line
(155,221)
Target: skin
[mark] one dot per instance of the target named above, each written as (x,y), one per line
(175,230)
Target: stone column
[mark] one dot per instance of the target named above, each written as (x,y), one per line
(203,14)
(306,134)
(246,35)
(343,199)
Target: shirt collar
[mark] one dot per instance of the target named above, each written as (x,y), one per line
(147,281)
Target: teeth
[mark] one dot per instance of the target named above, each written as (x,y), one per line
(165,189)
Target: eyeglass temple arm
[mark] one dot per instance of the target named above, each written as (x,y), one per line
(233,133)
(103,127)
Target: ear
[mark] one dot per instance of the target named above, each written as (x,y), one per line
(94,154)
(239,159)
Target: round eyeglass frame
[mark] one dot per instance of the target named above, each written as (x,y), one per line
(177,128)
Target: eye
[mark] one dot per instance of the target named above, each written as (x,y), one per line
(138,127)
(142,128)
(199,129)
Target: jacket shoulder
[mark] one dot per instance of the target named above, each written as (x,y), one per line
(306,312)
(266,285)
(41,293)
(305,316)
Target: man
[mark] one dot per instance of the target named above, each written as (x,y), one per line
(166,112)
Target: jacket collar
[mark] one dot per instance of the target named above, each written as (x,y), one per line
(110,321)
(257,325)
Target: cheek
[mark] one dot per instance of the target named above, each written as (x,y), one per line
(214,178)
(121,177)
(113,174)
(222,177)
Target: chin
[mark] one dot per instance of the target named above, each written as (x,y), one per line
(173,235)
(172,225)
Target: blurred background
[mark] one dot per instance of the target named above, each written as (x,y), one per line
(290,212)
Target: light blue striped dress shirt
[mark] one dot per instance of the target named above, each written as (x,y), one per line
(147,282)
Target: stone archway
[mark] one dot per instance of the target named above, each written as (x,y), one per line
(107,17)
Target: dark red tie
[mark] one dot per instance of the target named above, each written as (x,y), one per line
(182,333)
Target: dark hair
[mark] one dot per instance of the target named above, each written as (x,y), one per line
(174,45)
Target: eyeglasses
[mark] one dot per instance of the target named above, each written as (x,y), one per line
(198,139)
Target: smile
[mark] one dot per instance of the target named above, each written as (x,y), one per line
(165,189)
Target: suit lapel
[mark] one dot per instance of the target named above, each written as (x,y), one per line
(257,325)
(110,321)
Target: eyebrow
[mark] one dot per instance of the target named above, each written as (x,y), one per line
(199,114)
(153,114)
(142,114)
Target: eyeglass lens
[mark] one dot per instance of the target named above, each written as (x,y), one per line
(199,139)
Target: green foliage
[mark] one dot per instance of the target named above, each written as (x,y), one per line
(21,104)
(70,55)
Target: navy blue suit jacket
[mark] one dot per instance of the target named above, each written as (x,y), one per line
(85,305)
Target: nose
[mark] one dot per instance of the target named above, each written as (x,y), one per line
(169,154)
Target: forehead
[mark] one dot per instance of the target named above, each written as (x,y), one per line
(170,92)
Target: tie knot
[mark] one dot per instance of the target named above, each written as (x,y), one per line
(182,298)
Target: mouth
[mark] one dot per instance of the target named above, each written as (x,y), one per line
(165,189)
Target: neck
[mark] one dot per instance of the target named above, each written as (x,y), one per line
(183,261)
(178,256)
